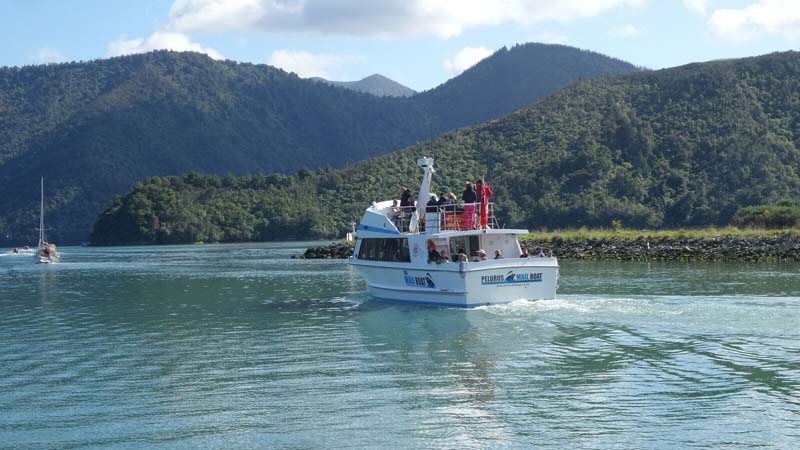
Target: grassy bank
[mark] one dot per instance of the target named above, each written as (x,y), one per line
(701,244)
(584,234)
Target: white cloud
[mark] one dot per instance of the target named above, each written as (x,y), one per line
(160,40)
(548,37)
(217,15)
(765,17)
(466,58)
(624,31)
(697,6)
(46,55)
(307,64)
(388,18)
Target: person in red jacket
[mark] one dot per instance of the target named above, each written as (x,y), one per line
(484,194)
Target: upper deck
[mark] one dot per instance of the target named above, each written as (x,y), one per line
(383,218)
(388,218)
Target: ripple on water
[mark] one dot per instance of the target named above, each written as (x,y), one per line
(241,347)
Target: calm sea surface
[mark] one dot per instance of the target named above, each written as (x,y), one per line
(239,346)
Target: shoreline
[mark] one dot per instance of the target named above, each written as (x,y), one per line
(747,247)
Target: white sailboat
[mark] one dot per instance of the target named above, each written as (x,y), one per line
(46,252)
(394,256)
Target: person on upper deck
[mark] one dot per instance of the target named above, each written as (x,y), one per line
(406,199)
(483,192)
(433,204)
(446,205)
(396,214)
(470,198)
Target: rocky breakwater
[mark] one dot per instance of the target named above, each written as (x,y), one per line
(333,251)
(722,248)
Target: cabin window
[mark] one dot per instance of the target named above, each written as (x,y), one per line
(474,246)
(457,244)
(392,250)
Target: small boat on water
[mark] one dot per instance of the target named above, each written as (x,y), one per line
(17,251)
(403,255)
(46,252)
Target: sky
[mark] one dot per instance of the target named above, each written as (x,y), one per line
(419,43)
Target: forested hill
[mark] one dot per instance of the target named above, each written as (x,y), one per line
(675,147)
(93,129)
(375,84)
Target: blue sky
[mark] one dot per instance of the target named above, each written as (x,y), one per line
(420,43)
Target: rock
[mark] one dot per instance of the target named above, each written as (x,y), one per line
(333,251)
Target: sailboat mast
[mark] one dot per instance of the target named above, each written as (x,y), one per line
(41,215)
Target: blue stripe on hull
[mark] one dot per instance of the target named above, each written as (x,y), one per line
(377,230)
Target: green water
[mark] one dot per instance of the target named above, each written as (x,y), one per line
(239,346)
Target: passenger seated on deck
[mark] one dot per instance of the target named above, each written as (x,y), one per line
(461,256)
(498,254)
(482,255)
(524,253)
(539,253)
(433,255)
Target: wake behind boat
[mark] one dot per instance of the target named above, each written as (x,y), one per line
(404,257)
(46,252)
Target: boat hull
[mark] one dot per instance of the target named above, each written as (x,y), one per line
(464,285)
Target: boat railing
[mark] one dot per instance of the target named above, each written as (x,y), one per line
(443,218)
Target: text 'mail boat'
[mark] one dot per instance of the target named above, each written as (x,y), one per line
(402,254)
(45,252)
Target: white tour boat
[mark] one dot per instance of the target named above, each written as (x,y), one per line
(46,252)
(392,255)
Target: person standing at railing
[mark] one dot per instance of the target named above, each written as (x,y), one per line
(470,198)
(432,214)
(406,206)
(484,193)
(406,199)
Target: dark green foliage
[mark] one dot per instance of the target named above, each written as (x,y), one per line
(93,129)
(678,147)
(784,214)
(209,208)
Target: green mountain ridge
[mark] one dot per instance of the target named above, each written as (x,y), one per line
(375,84)
(93,129)
(677,147)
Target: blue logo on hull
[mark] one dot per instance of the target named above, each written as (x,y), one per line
(512,278)
(423,282)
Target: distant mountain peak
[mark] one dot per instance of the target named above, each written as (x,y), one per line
(375,84)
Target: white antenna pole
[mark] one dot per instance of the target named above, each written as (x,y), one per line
(424,191)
